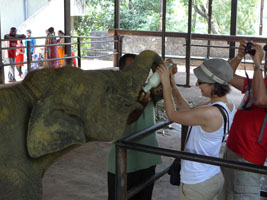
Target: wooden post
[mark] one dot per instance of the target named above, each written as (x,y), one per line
(163,29)
(67,22)
(79,52)
(121,173)
(29,56)
(265,61)
(261,17)
(209,27)
(233,28)
(2,69)
(116,57)
(188,44)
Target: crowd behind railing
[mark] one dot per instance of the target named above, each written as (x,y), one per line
(18,50)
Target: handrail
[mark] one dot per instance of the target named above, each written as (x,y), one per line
(65,36)
(195,36)
(127,143)
(94,39)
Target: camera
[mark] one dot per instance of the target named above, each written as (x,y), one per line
(249,50)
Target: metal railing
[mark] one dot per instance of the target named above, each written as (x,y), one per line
(119,34)
(78,47)
(128,143)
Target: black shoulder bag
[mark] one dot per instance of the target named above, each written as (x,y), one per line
(175,168)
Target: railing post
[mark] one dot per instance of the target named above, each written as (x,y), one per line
(116,47)
(2,69)
(29,56)
(188,43)
(209,27)
(120,47)
(233,27)
(79,51)
(121,173)
(265,61)
(163,30)
(67,21)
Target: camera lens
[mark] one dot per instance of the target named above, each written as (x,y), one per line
(249,50)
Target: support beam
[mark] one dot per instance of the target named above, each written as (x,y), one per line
(26,12)
(163,30)
(121,173)
(209,26)
(67,22)
(195,36)
(261,17)
(116,37)
(188,43)
(117,14)
(233,27)
(2,71)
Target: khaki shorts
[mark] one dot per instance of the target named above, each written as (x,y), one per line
(207,190)
(238,184)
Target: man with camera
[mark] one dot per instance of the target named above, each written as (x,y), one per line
(247,140)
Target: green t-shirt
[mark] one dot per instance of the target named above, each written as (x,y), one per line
(138,160)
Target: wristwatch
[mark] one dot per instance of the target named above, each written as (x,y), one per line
(260,67)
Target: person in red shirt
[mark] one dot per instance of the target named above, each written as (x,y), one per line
(244,142)
(12,52)
(20,58)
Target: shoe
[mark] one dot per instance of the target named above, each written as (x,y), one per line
(14,80)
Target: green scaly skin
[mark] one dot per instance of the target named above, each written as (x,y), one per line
(55,110)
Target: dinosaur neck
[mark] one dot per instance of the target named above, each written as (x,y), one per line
(137,72)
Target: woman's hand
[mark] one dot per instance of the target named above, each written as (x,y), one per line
(257,58)
(241,50)
(173,71)
(164,73)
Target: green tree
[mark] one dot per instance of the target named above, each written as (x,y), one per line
(134,15)
(99,16)
(221,16)
(146,15)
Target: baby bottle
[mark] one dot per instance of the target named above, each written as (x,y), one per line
(154,80)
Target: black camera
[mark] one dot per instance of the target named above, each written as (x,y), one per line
(249,50)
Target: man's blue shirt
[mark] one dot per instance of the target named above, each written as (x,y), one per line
(33,42)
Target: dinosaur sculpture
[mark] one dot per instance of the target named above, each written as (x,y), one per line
(53,111)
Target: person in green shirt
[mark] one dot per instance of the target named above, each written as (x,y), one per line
(140,165)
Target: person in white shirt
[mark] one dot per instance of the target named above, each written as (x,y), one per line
(199,180)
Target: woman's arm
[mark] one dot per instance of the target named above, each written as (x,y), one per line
(181,103)
(208,117)
(259,91)
(238,81)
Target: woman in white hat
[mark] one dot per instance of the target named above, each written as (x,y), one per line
(200,180)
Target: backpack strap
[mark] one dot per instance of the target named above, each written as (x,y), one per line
(225,118)
(262,127)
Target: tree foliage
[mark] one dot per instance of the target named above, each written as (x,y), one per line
(146,15)
(221,16)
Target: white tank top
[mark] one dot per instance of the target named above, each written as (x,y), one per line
(208,144)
